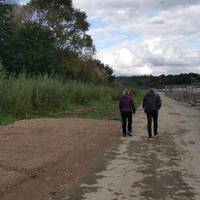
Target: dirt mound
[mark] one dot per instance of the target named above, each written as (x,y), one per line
(43,158)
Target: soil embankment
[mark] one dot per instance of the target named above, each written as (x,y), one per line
(46,158)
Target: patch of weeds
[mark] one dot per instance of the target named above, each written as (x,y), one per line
(5,119)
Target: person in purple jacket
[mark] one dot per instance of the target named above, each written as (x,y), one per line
(127,108)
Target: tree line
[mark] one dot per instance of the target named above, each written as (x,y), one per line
(160,81)
(49,37)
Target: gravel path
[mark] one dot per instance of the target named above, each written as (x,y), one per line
(166,168)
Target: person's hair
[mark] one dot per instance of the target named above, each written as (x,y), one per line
(126,92)
(152,89)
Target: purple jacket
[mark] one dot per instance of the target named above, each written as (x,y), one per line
(126,104)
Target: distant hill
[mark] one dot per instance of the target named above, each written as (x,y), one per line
(159,81)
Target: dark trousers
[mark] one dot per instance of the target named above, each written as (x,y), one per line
(152,115)
(126,116)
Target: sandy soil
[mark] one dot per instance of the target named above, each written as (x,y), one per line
(46,158)
(76,159)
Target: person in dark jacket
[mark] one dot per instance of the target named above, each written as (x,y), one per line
(151,105)
(127,108)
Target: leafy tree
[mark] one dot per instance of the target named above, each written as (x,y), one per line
(32,51)
(106,70)
(49,37)
(7,27)
(69,25)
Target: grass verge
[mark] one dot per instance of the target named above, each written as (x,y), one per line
(98,108)
(103,109)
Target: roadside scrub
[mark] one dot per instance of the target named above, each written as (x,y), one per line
(25,97)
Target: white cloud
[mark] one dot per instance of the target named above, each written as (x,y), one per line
(9,1)
(150,56)
(170,32)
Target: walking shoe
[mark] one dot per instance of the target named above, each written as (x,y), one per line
(129,134)
(156,136)
(150,138)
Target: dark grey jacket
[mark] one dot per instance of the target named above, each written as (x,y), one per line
(151,101)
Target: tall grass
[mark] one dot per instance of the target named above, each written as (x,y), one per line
(23,96)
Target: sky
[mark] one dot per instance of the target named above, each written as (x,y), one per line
(137,37)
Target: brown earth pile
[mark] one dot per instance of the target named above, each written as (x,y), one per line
(46,158)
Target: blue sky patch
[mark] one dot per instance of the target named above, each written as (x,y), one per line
(96,23)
